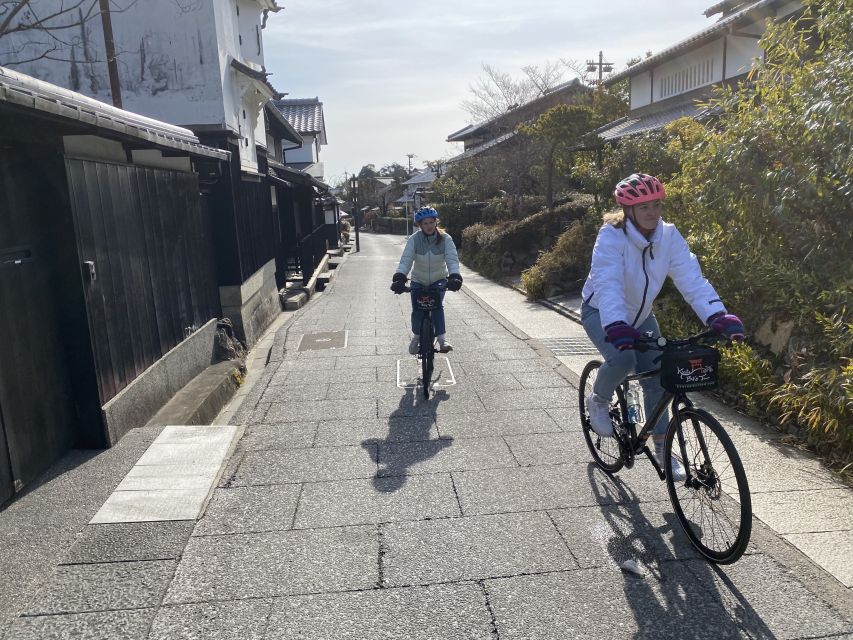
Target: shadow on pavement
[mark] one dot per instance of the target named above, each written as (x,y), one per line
(407,442)
(676,599)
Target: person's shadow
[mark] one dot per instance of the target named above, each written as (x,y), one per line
(408,441)
(666,603)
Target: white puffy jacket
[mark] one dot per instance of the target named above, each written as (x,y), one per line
(428,260)
(628,272)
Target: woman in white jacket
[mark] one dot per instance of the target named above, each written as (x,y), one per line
(634,253)
(431,257)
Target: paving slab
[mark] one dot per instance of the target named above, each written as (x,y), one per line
(544,379)
(351,502)
(249,509)
(280,435)
(154,505)
(548,448)
(321,410)
(764,595)
(497,382)
(495,423)
(472,548)
(105,625)
(549,487)
(440,402)
(235,620)
(261,565)
(446,612)
(820,510)
(287,376)
(443,455)
(507,366)
(125,542)
(832,550)
(296,391)
(528,399)
(103,587)
(304,465)
(391,429)
(605,603)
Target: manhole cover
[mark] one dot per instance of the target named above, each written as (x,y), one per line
(570,346)
(323,340)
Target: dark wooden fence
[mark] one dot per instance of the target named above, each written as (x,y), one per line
(257,227)
(150,246)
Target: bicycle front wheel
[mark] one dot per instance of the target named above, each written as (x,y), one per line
(713,504)
(605,451)
(427,353)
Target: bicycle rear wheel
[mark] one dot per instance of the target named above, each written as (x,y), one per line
(605,451)
(427,353)
(713,504)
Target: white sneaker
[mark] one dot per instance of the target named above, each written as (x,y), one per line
(679,473)
(414,343)
(443,345)
(599,415)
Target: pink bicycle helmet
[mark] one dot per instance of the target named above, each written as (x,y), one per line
(637,188)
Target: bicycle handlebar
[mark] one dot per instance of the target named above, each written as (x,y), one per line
(661,343)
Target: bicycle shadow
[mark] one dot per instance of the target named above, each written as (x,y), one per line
(408,441)
(680,597)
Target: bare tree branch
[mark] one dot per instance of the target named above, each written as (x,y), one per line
(497,92)
(12,13)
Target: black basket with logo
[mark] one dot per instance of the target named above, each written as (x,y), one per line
(689,369)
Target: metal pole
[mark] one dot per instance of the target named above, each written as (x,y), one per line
(110,48)
(600,66)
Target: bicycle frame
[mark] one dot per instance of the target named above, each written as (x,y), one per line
(636,442)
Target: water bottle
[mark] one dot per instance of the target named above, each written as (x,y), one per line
(635,410)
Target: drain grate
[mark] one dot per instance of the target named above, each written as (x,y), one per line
(570,346)
(323,340)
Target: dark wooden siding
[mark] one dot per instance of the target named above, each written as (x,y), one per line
(37,409)
(151,244)
(256,226)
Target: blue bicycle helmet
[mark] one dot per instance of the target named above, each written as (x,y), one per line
(425,212)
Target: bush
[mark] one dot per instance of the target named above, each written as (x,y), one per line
(565,266)
(509,248)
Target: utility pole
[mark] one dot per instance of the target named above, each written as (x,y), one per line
(110,47)
(602,67)
(410,156)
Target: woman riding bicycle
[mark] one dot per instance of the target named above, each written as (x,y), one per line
(430,255)
(634,253)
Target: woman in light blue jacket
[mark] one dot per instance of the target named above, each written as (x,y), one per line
(431,257)
(634,253)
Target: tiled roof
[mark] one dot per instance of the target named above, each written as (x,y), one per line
(470,153)
(425,176)
(472,129)
(696,40)
(650,121)
(25,91)
(305,114)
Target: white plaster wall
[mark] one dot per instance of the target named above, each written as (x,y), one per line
(640,90)
(692,70)
(740,55)
(306,153)
(249,25)
(169,67)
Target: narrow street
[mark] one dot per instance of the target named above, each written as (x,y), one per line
(354,509)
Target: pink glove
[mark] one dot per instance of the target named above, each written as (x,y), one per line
(621,335)
(727,324)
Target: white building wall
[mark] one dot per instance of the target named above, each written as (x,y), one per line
(692,70)
(249,31)
(641,92)
(308,152)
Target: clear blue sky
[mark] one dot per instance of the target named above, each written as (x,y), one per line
(392,75)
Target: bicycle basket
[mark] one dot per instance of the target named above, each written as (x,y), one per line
(689,369)
(426,301)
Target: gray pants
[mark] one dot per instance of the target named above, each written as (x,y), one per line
(619,364)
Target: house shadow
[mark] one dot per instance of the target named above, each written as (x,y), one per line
(682,595)
(408,440)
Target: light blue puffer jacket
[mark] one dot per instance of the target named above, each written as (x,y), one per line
(428,260)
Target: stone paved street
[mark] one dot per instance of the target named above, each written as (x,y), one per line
(355,509)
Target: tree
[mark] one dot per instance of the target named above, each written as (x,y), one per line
(559,128)
(497,92)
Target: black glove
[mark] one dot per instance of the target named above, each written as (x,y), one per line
(454,282)
(398,283)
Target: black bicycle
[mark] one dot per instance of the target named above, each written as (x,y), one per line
(428,299)
(713,503)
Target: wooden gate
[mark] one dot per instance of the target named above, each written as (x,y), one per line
(37,411)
